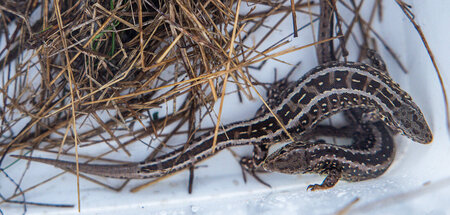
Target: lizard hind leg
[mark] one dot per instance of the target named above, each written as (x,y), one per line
(276,90)
(376,60)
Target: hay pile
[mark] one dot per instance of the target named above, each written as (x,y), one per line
(122,57)
(103,67)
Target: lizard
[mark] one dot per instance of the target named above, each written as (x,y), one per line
(369,156)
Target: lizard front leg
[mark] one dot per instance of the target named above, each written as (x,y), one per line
(252,164)
(332,178)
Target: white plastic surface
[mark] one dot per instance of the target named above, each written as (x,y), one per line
(417,183)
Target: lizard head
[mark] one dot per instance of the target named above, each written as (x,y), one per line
(290,159)
(411,122)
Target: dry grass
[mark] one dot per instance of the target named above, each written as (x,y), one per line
(109,65)
(124,58)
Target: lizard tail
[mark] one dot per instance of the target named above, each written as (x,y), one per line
(113,171)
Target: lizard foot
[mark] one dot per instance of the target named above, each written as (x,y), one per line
(248,165)
(332,178)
